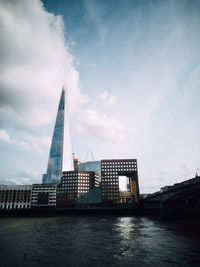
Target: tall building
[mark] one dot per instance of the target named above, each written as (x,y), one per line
(60,156)
(111,171)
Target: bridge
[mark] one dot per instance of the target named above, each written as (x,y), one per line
(181,197)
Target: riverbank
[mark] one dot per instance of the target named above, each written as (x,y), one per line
(93,211)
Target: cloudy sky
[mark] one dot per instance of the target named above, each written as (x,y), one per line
(133,73)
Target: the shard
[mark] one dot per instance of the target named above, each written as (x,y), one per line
(60,156)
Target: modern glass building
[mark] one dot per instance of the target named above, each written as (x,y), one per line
(93,166)
(60,152)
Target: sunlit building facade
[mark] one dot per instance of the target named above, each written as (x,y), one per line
(75,184)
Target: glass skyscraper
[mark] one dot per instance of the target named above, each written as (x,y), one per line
(60,152)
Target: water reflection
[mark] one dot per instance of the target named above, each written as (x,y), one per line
(96,241)
(124,226)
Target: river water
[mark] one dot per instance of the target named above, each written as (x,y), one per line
(98,241)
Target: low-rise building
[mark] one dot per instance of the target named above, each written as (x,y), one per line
(15,197)
(43,195)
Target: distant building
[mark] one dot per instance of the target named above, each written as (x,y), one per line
(43,195)
(93,166)
(75,184)
(111,170)
(76,162)
(15,197)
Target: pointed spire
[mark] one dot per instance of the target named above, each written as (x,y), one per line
(60,136)
(67,145)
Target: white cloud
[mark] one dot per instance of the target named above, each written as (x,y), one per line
(24,178)
(99,125)
(29,142)
(21,144)
(4,136)
(107,98)
(35,62)
(38,143)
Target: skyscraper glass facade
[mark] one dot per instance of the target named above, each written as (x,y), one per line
(55,163)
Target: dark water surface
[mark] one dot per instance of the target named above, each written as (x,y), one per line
(98,241)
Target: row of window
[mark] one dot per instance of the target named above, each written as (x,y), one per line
(117,170)
(49,192)
(14,197)
(75,175)
(75,181)
(111,189)
(43,187)
(75,184)
(64,184)
(14,191)
(68,188)
(110,178)
(108,184)
(69,179)
(69,175)
(73,187)
(43,190)
(16,201)
(119,163)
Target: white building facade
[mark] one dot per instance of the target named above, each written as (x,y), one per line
(43,195)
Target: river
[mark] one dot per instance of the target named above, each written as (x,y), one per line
(98,241)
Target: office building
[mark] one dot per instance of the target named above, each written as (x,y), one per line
(15,197)
(111,171)
(75,184)
(43,195)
